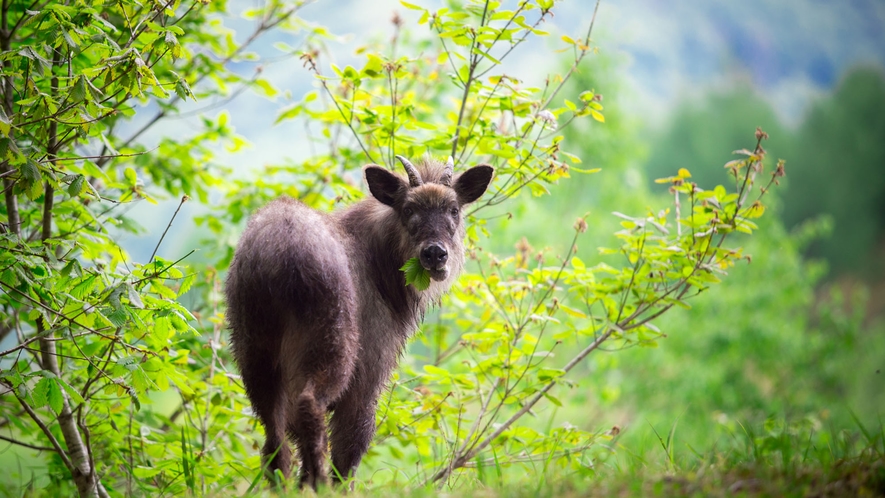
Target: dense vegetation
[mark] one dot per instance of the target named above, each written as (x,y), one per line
(115,375)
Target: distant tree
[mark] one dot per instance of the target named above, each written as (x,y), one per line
(703,132)
(839,161)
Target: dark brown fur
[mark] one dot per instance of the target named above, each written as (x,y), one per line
(319,310)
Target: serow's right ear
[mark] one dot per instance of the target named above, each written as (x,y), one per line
(385,186)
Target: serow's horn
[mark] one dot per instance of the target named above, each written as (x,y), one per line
(414,177)
(448,172)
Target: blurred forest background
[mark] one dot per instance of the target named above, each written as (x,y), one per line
(793,340)
(797,337)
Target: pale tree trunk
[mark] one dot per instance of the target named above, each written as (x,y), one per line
(81,469)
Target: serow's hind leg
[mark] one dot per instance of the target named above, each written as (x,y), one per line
(269,399)
(307,425)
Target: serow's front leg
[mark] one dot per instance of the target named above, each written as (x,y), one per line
(353,427)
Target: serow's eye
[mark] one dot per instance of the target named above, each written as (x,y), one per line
(454,212)
(407,211)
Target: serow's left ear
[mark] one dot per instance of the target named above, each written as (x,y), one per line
(471,184)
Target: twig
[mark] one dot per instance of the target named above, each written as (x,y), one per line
(107,156)
(26,445)
(463,458)
(474,62)
(183,200)
(47,432)
(309,61)
(577,59)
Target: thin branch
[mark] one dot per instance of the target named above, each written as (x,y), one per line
(309,61)
(26,445)
(23,345)
(474,62)
(463,458)
(263,26)
(46,432)
(76,323)
(393,84)
(481,110)
(515,44)
(578,59)
(106,156)
(183,200)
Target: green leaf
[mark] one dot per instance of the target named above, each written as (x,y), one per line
(118,317)
(146,472)
(72,393)
(187,283)
(553,400)
(76,186)
(130,175)
(134,298)
(84,287)
(5,124)
(54,396)
(411,6)
(40,393)
(416,275)
(78,92)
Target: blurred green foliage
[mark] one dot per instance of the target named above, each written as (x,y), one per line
(770,342)
(836,158)
(839,157)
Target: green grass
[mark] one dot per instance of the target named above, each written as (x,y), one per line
(775,458)
(770,459)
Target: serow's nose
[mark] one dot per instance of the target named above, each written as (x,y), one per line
(434,256)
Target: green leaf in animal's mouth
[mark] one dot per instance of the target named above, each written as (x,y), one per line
(416,275)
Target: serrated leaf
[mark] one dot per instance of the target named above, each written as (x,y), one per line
(78,91)
(72,393)
(40,393)
(187,283)
(76,186)
(83,288)
(134,298)
(118,317)
(54,396)
(162,290)
(416,275)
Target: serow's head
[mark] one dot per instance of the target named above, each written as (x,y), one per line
(429,207)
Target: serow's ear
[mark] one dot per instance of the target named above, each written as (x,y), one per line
(471,184)
(384,185)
